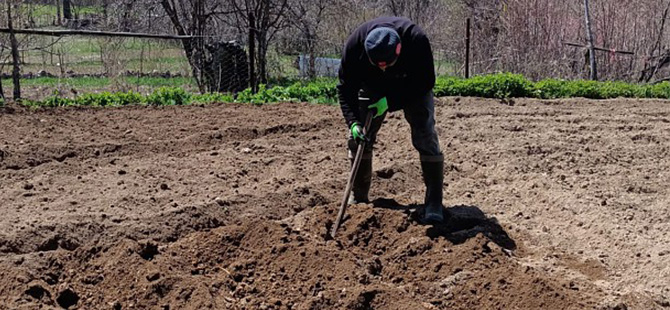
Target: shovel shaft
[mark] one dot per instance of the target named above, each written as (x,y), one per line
(352,177)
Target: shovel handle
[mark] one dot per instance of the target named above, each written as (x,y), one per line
(352,177)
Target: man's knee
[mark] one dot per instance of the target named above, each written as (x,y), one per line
(425,141)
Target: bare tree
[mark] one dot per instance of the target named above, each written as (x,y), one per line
(261,20)
(308,17)
(650,69)
(190,18)
(418,11)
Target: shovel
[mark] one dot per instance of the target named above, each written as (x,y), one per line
(352,176)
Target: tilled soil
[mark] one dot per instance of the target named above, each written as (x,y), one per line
(551,204)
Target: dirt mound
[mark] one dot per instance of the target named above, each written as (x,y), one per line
(382,259)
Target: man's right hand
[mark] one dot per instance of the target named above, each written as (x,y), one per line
(357,132)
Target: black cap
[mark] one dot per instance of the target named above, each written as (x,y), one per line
(381,45)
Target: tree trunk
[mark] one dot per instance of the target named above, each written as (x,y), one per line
(2,92)
(105,4)
(262,58)
(589,38)
(67,9)
(193,55)
(311,51)
(252,53)
(15,54)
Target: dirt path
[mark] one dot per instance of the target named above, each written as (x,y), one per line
(554,204)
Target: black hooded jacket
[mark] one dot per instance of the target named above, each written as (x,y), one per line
(412,76)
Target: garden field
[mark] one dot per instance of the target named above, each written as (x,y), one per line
(553,204)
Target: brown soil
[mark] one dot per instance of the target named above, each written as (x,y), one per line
(552,204)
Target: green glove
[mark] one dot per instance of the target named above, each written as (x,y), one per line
(381,106)
(357,132)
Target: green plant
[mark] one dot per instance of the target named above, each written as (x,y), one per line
(503,85)
(108,99)
(169,96)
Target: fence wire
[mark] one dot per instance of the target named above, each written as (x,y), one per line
(71,65)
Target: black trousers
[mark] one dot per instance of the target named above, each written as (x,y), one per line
(419,113)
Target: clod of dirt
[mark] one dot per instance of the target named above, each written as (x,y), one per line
(153,276)
(386,173)
(66,155)
(148,250)
(375,267)
(67,298)
(50,244)
(364,301)
(38,292)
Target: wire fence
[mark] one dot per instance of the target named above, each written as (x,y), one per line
(70,65)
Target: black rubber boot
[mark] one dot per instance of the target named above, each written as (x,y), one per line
(361,187)
(433,176)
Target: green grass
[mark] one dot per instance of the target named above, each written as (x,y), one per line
(80,82)
(101,82)
(47,10)
(46,15)
(161,82)
(83,55)
(446,67)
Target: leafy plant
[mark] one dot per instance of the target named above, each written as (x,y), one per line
(503,85)
(169,96)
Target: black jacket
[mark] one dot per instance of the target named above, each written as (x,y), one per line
(412,76)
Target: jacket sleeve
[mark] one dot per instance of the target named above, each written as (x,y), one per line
(349,85)
(421,74)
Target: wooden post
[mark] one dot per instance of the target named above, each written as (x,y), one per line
(589,38)
(16,71)
(467,48)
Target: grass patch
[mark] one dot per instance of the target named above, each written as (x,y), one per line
(46,15)
(160,96)
(102,82)
(47,10)
(79,82)
(86,55)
